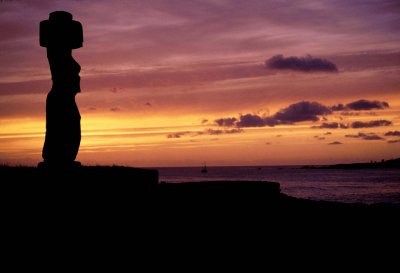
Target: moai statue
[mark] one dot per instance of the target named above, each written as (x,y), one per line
(60,34)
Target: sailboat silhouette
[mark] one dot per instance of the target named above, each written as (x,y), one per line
(204,169)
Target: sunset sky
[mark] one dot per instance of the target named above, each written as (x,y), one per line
(227,82)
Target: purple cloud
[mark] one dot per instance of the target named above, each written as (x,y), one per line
(226,122)
(338,107)
(356,124)
(369,124)
(250,120)
(335,143)
(297,112)
(393,133)
(332,125)
(206,132)
(301,111)
(305,64)
(354,114)
(367,105)
(360,105)
(178,134)
(220,132)
(369,136)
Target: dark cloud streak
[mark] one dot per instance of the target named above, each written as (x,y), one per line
(393,133)
(361,105)
(370,124)
(367,105)
(178,134)
(211,132)
(297,112)
(331,125)
(335,143)
(356,124)
(250,120)
(226,122)
(369,136)
(221,132)
(304,64)
(305,111)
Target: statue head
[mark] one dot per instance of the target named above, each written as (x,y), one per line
(61,32)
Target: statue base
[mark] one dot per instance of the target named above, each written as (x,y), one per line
(59,165)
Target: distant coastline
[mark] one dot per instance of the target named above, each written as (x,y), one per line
(392,163)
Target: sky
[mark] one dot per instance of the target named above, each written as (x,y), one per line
(227,82)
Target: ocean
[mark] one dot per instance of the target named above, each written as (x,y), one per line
(350,186)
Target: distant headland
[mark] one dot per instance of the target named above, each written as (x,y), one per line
(392,163)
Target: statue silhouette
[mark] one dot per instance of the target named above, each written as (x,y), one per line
(60,34)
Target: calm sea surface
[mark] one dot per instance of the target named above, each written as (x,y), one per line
(350,186)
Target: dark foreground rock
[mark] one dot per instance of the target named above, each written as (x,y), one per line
(103,210)
(124,190)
